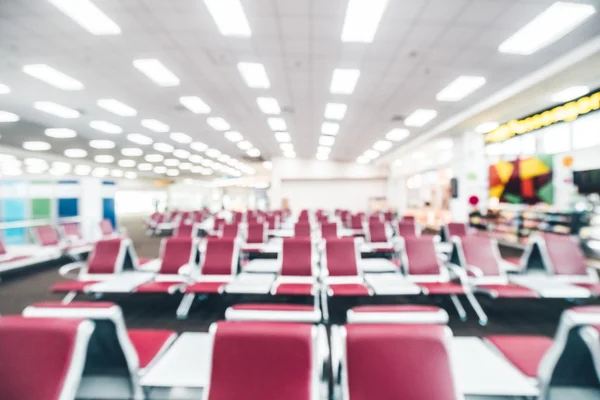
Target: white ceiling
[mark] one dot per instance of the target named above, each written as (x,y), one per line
(420,47)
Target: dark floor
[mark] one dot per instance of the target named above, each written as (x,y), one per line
(158,311)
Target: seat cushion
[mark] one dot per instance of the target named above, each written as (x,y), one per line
(13,259)
(149,342)
(508,291)
(396,308)
(144,260)
(71,286)
(524,352)
(205,287)
(442,288)
(350,289)
(272,307)
(592,287)
(158,287)
(294,289)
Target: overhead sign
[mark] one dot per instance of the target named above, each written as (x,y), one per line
(564,113)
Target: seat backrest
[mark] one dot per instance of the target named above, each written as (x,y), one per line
(398,361)
(257,233)
(456,229)
(329,230)
(42,358)
(177,252)
(2,249)
(72,230)
(230,230)
(273,221)
(407,229)
(481,252)
(341,257)
(297,257)
(263,361)
(47,235)
(219,224)
(221,257)
(420,257)
(302,229)
(376,232)
(106,227)
(108,256)
(388,216)
(184,230)
(303,216)
(356,221)
(375,218)
(408,218)
(564,254)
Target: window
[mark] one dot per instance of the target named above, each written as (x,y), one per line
(556,139)
(528,145)
(586,131)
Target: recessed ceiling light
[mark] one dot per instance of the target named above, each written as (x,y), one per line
(382,145)
(268,105)
(52,77)
(552,24)
(180,137)
(125,163)
(4,89)
(76,153)
(36,146)
(486,127)
(140,139)
(330,128)
(106,127)
(570,94)
(323,149)
(35,162)
(155,125)
(234,136)
(145,167)
(218,123)
(213,153)
(117,173)
(207,163)
(56,109)
(420,117)
(223,158)
(102,144)
(196,158)
(267,165)
(372,154)
(185,166)
(283,137)
(90,17)
(195,104)
(254,74)
(198,146)
(245,145)
(7,158)
(100,172)
(116,107)
(160,169)
(179,153)
(326,140)
(132,152)
(60,133)
(230,17)
(6,116)
(289,154)
(197,169)
(157,72)
(286,147)
(130,175)
(277,124)
(104,159)
(344,81)
(397,134)
(335,111)
(163,147)
(363,160)
(206,171)
(171,162)
(322,156)
(173,172)
(444,144)
(362,20)
(253,152)
(418,155)
(460,88)
(154,157)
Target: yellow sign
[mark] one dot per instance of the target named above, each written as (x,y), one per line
(567,112)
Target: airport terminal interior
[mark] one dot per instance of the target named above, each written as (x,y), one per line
(299,199)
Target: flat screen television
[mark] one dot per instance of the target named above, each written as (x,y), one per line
(587,182)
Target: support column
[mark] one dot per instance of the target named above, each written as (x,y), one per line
(91,208)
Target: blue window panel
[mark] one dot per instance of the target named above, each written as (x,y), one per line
(68,208)
(112,183)
(109,211)
(68,182)
(15,236)
(14,210)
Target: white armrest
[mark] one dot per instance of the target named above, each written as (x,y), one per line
(477,272)
(458,272)
(66,270)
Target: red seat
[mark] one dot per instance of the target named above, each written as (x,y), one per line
(272,307)
(294,289)
(342,268)
(329,230)
(158,287)
(396,308)
(47,236)
(205,287)
(257,233)
(150,343)
(403,314)
(302,229)
(230,231)
(524,352)
(435,288)
(348,289)
(407,229)
(71,286)
(507,291)
(376,232)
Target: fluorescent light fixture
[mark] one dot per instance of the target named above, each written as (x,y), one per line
(344,81)
(234,136)
(52,77)
(88,16)
(76,153)
(253,152)
(362,20)
(132,152)
(196,158)
(322,156)
(180,137)
(323,149)
(254,74)
(171,162)
(36,145)
(60,133)
(283,137)
(230,17)
(163,147)
(35,162)
(154,157)
(145,167)
(460,88)
(126,163)
(140,139)
(184,154)
(213,153)
(6,116)
(185,166)
(445,144)
(155,125)
(245,145)
(218,123)
(206,171)
(4,89)
(161,169)
(372,154)
(570,94)
(555,22)
(289,154)
(363,160)
(277,124)
(131,175)
(286,147)
(116,107)
(173,172)
(82,169)
(195,104)
(157,72)
(56,109)
(223,158)
(198,146)
(268,105)
(382,145)
(207,163)
(117,173)
(397,134)
(326,140)
(102,144)
(104,159)
(106,127)
(330,128)
(420,117)
(486,127)
(335,111)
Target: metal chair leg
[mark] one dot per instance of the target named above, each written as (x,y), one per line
(324,305)
(459,308)
(69,297)
(185,305)
(483,319)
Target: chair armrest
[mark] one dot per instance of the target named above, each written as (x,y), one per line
(188,270)
(457,271)
(66,271)
(474,272)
